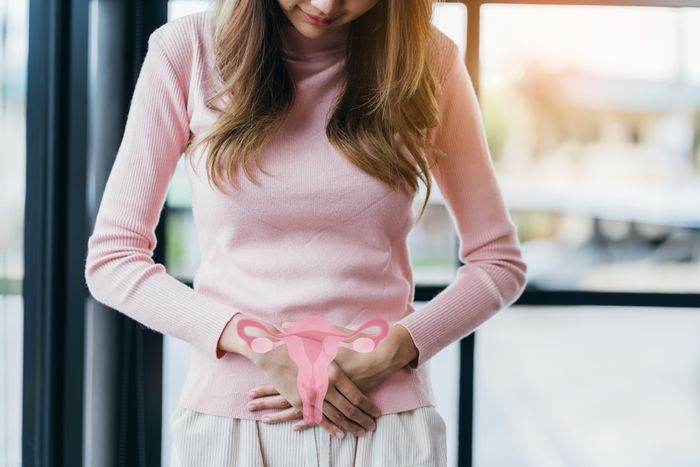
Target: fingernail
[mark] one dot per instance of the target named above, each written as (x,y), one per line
(266,419)
(296,428)
(372,426)
(251,406)
(339,434)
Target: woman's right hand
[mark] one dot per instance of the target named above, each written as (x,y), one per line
(339,413)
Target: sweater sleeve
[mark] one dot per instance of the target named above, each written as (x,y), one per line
(493,275)
(119,269)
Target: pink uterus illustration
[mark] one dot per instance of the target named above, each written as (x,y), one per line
(312,343)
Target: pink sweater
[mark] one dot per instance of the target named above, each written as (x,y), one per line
(318,237)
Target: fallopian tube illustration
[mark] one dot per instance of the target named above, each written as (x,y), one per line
(312,343)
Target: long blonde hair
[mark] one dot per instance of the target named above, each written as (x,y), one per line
(391,89)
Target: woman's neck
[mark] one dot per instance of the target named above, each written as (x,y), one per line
(327,47)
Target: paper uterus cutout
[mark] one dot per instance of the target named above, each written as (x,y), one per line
(312,343)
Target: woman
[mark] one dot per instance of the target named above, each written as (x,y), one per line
(332,123)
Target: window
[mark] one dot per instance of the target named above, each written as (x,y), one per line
(592,115)
(13,43)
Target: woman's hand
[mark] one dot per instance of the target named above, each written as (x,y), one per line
(344,406)
(351,375)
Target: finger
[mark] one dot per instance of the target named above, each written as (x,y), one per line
(290,414)
(263,390)
(340,420)
(326,422)
(346,415)
(328,425)
(353,394)
(268,402)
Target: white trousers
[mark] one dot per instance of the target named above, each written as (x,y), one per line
(415,438)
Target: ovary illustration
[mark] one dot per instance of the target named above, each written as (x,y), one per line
(312,343)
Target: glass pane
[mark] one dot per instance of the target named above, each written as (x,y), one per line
(433,240)
(593,116)
(451,18)
(178,8)
(181,251)
(593,386)
(13,58)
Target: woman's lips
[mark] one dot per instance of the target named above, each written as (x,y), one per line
(316,20)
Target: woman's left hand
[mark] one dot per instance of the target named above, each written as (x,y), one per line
(366,370)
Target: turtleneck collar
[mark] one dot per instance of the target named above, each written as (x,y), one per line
(329,47)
